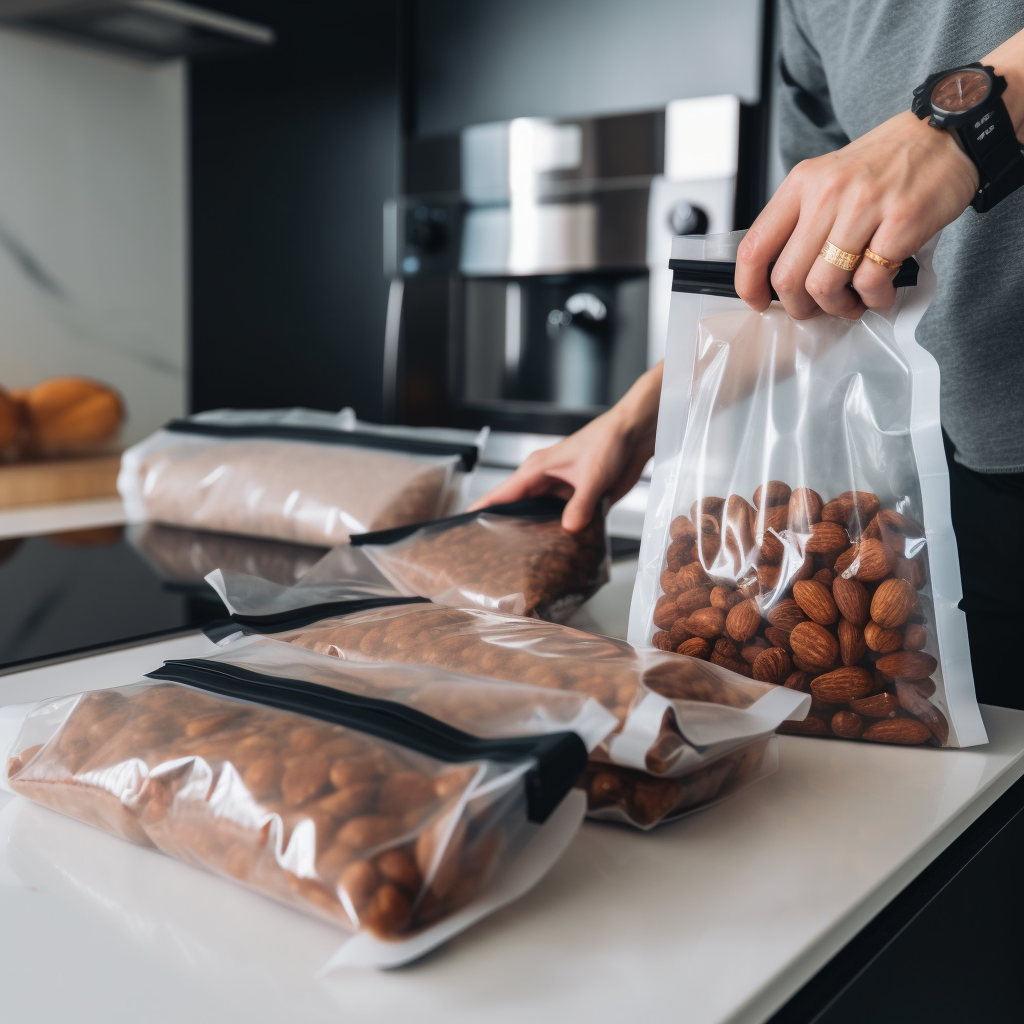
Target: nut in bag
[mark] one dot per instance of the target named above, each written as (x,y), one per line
(687,732)
(295,474)
(344,791)
(798,530)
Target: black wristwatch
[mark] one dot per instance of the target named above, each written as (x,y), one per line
(968,100)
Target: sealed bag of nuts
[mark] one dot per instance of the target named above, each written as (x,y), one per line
(353,793)
(798,530)
(688,732)
(295,474)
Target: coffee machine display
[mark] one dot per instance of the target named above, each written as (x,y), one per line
(529,261)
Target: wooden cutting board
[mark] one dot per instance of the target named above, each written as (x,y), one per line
(39,481)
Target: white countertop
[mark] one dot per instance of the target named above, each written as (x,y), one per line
(719,917)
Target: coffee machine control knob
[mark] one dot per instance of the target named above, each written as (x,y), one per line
(427,228)
(686,219)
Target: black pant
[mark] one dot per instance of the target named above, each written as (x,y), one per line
(988,517)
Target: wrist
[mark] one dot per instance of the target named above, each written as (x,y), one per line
(1008,61)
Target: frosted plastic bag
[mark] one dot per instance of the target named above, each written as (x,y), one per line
(676,716)
(798,528)
(349,792)
(297,475)
(515,558)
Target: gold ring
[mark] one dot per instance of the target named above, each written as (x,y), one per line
(882,261)
(839,257)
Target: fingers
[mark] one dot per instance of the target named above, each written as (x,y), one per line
(764,241)
(581,506)
(828,284)
(873,281)
(527,482)
(795,262)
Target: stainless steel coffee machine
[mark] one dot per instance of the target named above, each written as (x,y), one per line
(529,261)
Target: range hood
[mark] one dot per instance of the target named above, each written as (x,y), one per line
(144,29)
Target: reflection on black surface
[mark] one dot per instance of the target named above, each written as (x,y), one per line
(65,592)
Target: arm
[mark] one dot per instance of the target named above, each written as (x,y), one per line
(606,456)
(890,190)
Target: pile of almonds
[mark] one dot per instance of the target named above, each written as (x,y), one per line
(822,597)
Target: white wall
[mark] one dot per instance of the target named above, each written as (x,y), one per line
(92,223)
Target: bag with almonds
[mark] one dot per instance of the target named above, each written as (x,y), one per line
(392,801)
(798,530)
(295,474)
(687,732)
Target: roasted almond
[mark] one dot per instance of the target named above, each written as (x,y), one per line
(907,731)
(772,549)
(847,724)
(682,530)
(723,598)
(732,664)
(665,612)
(851,508)
(774,492)
(906,665)
(842,685)
(881,640)
(772,666)
(750,652)
(826,537)
(727,647)
(915,637)
(881,705)
(777,637)
(710,506)
(743,620)
(678,633)
(692,575)
(871,561)
(825,578)
(679,554)
(813,645)
(786,614)
(852,600)
(663,641)
(910,569)
(706,622)
(690,600)
(669,583)
(851,643)
(812,725)
(804,509)
(844,560)
(893,602)
(815,602)
(910,699)
(768,577)
(798,681)
(695,647)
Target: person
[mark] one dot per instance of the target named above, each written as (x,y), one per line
(869,175)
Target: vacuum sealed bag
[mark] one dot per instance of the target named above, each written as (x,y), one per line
(798,529)
(296,475)
(687,732)
(352,792)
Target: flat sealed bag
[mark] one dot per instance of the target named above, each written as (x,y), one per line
(388,800)
(296,474)
(798,529)
(688,732)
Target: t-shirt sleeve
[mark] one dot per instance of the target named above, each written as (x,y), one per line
(807,123)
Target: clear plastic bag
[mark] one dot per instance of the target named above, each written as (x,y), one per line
(296,475)
(798,528)
(514,558)
(349,792)
(676,715)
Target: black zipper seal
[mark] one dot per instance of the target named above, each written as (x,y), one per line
(467,453)
(295,618)
(539,510)
(715,277)
(558,758)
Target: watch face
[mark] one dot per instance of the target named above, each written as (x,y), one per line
(960,91)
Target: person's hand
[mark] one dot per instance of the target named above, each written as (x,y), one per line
(890,191)
(606,457)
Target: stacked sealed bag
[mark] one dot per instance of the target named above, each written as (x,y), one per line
(295,474)
(688,732)
(396,802)
(798,529)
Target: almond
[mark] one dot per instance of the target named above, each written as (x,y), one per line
(842,685)
(786,614)
(679,554)
(814,645)
(723,598)
(897,730)
(851,643)
(707,506)
(847,724)
(775,492)
(706,623)
(775,518)
(772,549)
(694,648)
(665,612)
(907,665)
(737,532)
(925,687)
(777,637)
(772,666)
(851,508)
(844,560)
(910,569)
(826,537)
(825,578)
(923,710)
(753,649)
(893,603)
(743,620)
(662,641)
(804,509)
(730,663)
(690,600)
(812,725)
(707,547)
(881,705)
(768,577)
(871,561)
(915,637)
(692,575)
(900,523)
(682,530)
(678,633)
(882,641)
(852,600)
(815,602)
(726,647)
(798,681)
(669,583)
(802,571)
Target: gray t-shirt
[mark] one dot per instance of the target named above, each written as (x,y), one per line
(849,65)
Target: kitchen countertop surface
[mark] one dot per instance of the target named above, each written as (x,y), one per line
(719,917)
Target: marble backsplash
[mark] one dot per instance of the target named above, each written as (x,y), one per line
(93,223)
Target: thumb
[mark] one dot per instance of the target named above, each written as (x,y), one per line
(579,510)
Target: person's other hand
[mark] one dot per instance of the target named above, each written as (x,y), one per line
(890,191)
(606,457)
